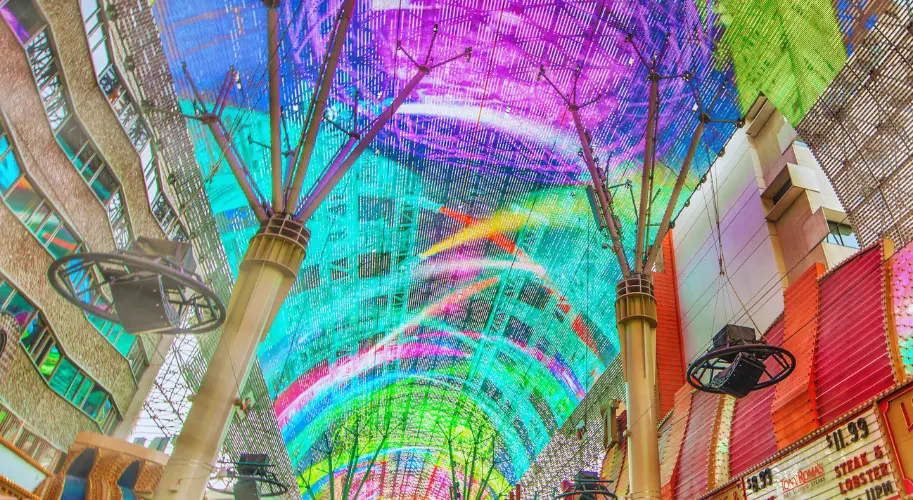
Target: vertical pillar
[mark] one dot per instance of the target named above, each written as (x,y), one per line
(635,310)
(143,387)
(265,277)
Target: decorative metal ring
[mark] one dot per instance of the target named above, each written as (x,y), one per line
(201,299)
(713,361)
(275,487)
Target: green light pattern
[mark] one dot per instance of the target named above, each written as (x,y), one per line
(787,50)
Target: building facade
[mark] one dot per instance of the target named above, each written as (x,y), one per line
(765,242)
(73,181)
(84,168)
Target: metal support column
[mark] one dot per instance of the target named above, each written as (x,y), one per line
(635,310)
(266,275)
(275,104)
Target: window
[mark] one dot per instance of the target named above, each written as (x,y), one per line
(30,206)
(782,191)
(22,18)
(25,19)
(841,234)
(125,107)
(45,223)
(61,374)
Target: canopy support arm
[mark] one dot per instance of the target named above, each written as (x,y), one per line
(342,163)
(604,197)
(647,172)
(309,133)
(275,105)
(236,168)
(673,199)
(214,123)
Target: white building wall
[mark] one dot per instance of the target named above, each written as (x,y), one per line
(748,247)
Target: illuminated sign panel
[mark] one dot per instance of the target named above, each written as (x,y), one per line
(733,492)
(898,413)
(850,461)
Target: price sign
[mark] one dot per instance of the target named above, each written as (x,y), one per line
(850,462)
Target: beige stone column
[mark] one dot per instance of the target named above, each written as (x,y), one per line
(143,386)
(635,310)
(265,277)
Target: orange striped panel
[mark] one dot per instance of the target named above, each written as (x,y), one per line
(670,362)
(614,465)
(668,462)
(693,475)
(795,408)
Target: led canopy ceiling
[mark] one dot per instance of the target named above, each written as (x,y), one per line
(456,302)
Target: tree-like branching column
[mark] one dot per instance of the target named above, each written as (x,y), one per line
(635,304)
(274,256)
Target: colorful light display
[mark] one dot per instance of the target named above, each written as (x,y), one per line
(456,275)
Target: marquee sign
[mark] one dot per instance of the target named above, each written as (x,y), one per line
(849,462)
(898,413)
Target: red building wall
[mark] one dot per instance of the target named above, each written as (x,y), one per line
(854,360)
(836,326)
(795,411)
(752,438)
(670,363)
(691,480)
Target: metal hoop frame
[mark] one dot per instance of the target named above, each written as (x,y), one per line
(190,297)
(714,361)
(584,483)
(275,487)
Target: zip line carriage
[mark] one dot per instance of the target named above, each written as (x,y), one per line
(151,287)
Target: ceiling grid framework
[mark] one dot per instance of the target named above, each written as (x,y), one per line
(456,280)
(860,130)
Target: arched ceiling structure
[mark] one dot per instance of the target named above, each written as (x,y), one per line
(456,278)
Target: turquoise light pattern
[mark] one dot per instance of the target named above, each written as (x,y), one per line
(456,279)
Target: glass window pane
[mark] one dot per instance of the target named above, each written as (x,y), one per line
(63,377)
(109,82)
(71,138)
(95,401)
(63,243)
(9,167)
(57,109)
(40,54)
(122,340)
(95,36)
(9,425)
(89,163)
(83,391)
(849,238)
(48,229)
(145,157)
(87,8)
(31,334)
(38,216)
(100,57)
(105,185)
(105,410)
(45,69)
(5,292)
(20,308)
(47,366)
(26,442)
(74,387)
(23,199)
(22,17)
